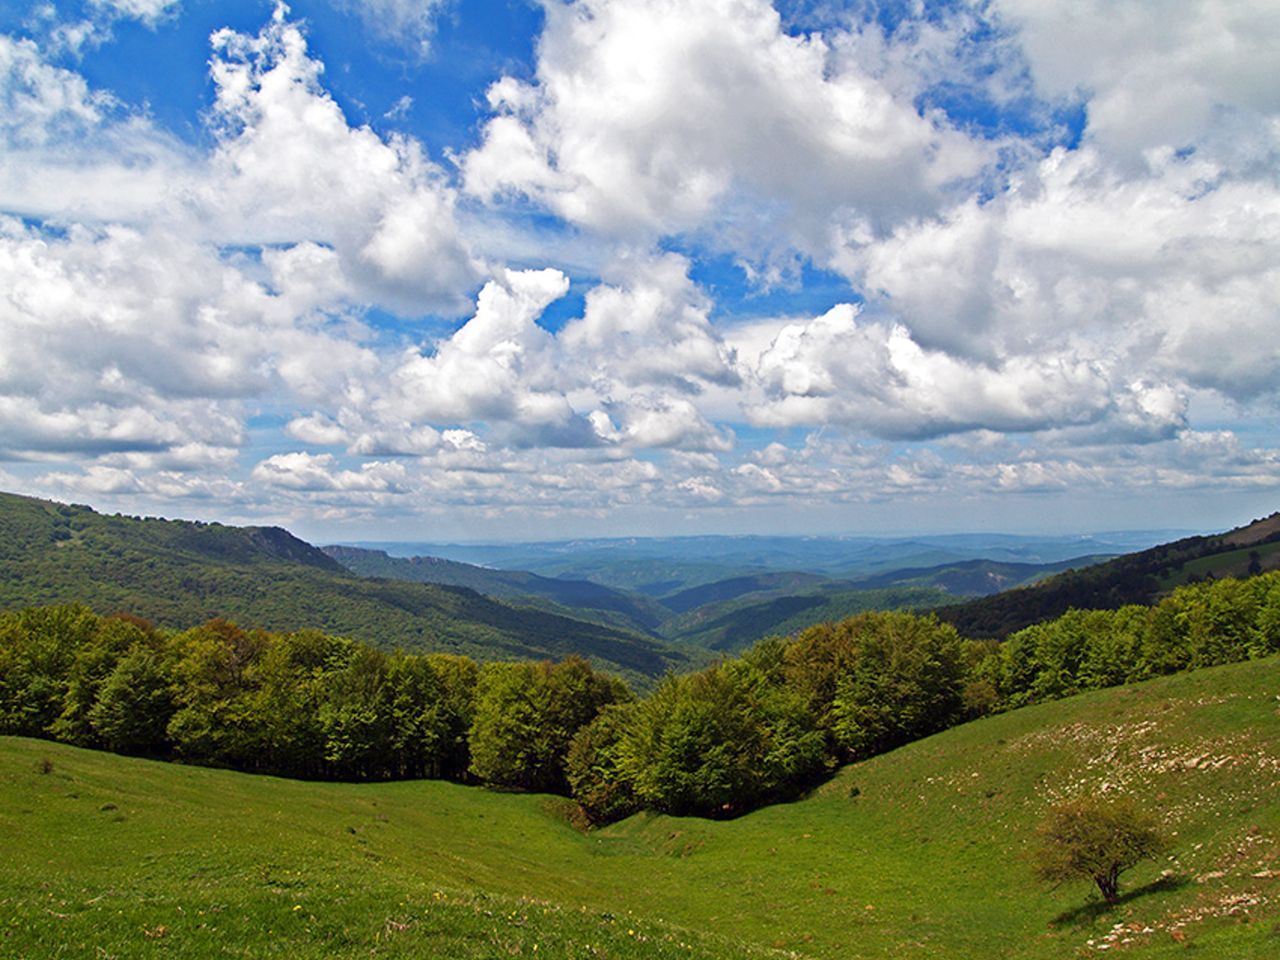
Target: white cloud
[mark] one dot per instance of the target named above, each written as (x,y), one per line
(1053,324)
(310,472)
(120,339)
(1140,272)
(648,328)
(409,24)
(627,372)
(41,101)
(400,109)
(498,366)
(149,12)
(289,168)
(1153,74)
(647,119)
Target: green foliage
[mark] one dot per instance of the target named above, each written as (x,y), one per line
(722,741)
(878,680)
(94,660)
(37,649)
(594,766)
(526,715)
(1097,840)
(758,728)
(1198,625)
(179,575)
(132,711)
(1137,578)
(103,851)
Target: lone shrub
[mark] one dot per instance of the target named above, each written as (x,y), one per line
(1092,839)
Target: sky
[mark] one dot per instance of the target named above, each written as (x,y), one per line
(506,269)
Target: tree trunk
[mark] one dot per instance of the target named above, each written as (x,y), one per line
(1109,884)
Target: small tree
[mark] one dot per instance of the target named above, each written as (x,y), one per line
(1092,839)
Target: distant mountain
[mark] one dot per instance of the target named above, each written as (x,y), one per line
(755,585)
(1139,577)
(179,573)
(691,601)
(663,566)
(582,597)
(974,578)
(733,626)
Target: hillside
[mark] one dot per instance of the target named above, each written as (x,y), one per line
(734,625)
(730,615)
(178,574)
(582,597)
(920,852)
(1139,578)
(663,566)
(723,615)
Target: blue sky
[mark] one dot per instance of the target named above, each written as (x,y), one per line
(504,269)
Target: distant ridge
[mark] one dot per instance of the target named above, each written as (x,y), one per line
(582,597)
(1137,578)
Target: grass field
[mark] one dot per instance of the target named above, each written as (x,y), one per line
(918,853)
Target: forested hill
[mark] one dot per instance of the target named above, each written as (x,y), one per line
(622,607)
(178,574)
(1140,578)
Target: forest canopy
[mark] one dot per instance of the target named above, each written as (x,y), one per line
(749,730)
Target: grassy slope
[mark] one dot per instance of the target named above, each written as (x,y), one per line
(179,574)
(926,858)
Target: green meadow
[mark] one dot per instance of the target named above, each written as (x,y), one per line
(922,852)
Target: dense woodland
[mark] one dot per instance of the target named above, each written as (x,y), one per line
(753,729)
(1135,578)
(178,574)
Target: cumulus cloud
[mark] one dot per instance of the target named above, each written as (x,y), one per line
(311,472)
(627,372)
(498,366)
(1143,269)
(130,329)
(119,339)
(286,168)
(658,118)
(289,168)
(1153,75)
(835,369)
(650,326)
(1029,315)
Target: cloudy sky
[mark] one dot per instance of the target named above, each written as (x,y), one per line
(427,269)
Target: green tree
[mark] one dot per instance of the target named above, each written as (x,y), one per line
(718,742)
(418,722)
(526,714)
(879,680)
(1096,840)
(355,716)
(288,680)
(37,649)
(214,690)
(457,676)
(595,767)
(95,659)
(135,704)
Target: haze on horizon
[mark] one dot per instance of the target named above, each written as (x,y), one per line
(496,269)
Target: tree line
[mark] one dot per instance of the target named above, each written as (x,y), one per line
(750,730)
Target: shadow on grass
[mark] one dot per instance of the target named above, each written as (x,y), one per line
(1091,911)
